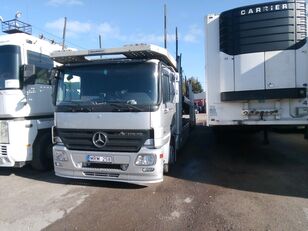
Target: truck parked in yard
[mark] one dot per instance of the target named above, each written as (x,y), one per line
(256,61)
(26,110)
(118,114)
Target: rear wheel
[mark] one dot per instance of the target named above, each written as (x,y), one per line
(172,156)
(42,153)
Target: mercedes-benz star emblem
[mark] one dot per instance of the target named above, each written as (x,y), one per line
(99,139)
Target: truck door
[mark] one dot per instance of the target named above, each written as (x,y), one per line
(167,94)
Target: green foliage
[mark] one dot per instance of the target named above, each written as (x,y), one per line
(196,85)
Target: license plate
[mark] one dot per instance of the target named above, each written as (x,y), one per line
(100,159)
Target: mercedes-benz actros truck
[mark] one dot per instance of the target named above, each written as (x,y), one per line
(26,110)
(118,114)
(256,65)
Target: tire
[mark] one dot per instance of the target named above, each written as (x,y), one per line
(172,152)
(166,168)
(42,159)
(172,156)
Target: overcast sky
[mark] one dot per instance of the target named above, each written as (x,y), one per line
(123,22)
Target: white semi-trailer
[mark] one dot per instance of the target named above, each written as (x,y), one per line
(256,62)
(120,118)
(26,110)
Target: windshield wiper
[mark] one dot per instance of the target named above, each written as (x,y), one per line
(77,106)
(131,106)
(120,105)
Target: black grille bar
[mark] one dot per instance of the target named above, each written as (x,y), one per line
(100,174)
(102,166)
(118,140)
(3,150)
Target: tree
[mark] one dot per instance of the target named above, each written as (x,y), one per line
(196,85)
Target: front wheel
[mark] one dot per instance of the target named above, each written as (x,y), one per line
(172,156)
(42,159)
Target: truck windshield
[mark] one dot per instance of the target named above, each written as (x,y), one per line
(9,64)
(134,84)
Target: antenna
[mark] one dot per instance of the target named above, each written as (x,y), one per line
(100,41)
(64,31)
(165,26)
(176,43)
(1,19)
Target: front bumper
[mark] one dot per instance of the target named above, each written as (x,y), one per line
(18,151)
(14,156)
(142,175)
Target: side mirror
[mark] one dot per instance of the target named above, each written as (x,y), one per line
(27,74)
(54,73)
(54,94)
(28,71)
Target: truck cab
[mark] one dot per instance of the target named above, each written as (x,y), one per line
(116,119)
(26,110)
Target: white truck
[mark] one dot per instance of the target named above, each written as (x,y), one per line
(118,114)
(26,110)
(256,62)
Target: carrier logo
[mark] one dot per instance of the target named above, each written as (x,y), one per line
(99,139)
(262,9)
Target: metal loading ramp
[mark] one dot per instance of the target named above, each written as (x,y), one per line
(142,51)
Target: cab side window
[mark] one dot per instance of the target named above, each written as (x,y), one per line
(166,87)
(172,86)
(168,79)
(43,64)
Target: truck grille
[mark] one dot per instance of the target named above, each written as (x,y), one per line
(99,166)
(118,140)
(3,150)
(100,174)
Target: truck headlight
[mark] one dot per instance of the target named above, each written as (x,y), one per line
(145,160)
(60,156)
(4,132)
